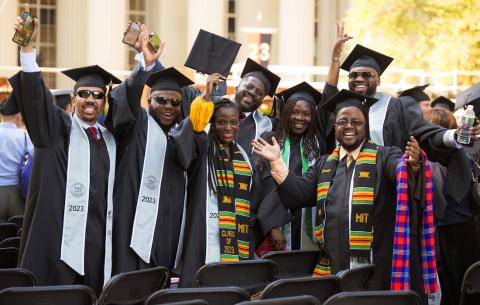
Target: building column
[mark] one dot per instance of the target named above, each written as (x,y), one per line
(9,49)
(296,32)
(169,20)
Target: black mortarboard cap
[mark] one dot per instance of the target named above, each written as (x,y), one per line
(443,102)
(365,57)
(62,97)
(212,54)
(269,79)
(302,91)
(471,96)
(9,106)
(347,98)
(417,93)
(168,80)
(91,76)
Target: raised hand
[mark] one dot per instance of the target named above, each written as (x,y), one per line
(18,26)
(137,45)
(149,54)
(413,151)
(342,37)
(265,150)
(212,82)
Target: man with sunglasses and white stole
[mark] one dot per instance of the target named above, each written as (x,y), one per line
(150,185)
(67,231)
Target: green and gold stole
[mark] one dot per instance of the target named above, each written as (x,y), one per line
(234,178)
(362,195)
(307,226)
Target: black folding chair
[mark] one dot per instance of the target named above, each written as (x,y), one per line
(381,297)
(471,286)
(321,288)
(355,279)
(251,275)
(48,295)
(17,219)
(190,302)
(212,295)
(296,263)
(133,287)
(10,242)
(8,230)
(16,277)
(19,232)
(8,257)
(298,300)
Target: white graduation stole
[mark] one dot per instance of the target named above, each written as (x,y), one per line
(149,193)
(262,123)
(77,197)
(376,117)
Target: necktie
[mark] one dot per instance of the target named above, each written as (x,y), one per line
(349,160)
(242,117)
(93,133)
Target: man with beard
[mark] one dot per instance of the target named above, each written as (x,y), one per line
(67,228)
(355,190)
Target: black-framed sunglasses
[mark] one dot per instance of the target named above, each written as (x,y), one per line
(363,74)
(164,101)
(86,94)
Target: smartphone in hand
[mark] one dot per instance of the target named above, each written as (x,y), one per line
(23,37)
(155,41)
(131,36)
(219,91)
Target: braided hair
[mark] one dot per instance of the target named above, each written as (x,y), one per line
(213,152)
(309,139)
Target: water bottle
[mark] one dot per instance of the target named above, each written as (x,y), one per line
(468,120)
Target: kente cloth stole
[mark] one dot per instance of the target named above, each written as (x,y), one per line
(362,195)
(400,278)
(233,193)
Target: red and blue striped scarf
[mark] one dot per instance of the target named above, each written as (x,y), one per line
(401,245)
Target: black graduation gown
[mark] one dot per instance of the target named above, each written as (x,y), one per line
(128,121)
(247,132)
(298,192)
(193,155)
(271,197)
(49,128)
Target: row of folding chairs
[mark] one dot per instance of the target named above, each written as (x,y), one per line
(10,233)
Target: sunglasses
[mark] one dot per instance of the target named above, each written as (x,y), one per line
(86,94)
(164,101)
(363,74)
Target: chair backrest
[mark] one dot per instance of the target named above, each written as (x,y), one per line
(8,257)
(211,295)
(471,285)
(296,263)
(16,277)
(8,230)
(251,275)
(380,297)
(17,219)
(10,242)
(133,287)
(355,279)
(320,288)
(48,295)
(189,302)
(298,300)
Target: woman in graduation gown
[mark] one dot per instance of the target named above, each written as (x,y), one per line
(223,188)
(354,190)
(296,134)
(150,183)
(66,233)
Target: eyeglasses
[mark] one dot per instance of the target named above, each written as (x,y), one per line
(86,94)
(354,123)
(164,101)
(363,74)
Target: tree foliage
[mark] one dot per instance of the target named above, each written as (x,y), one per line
(435,35)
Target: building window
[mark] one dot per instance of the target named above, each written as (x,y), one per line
(230,19)
(46,43)
(136,13)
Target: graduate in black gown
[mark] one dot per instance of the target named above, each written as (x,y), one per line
(66,236)
(419,95)
(223,188)
(296,134)
(147,223)
(354,190)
